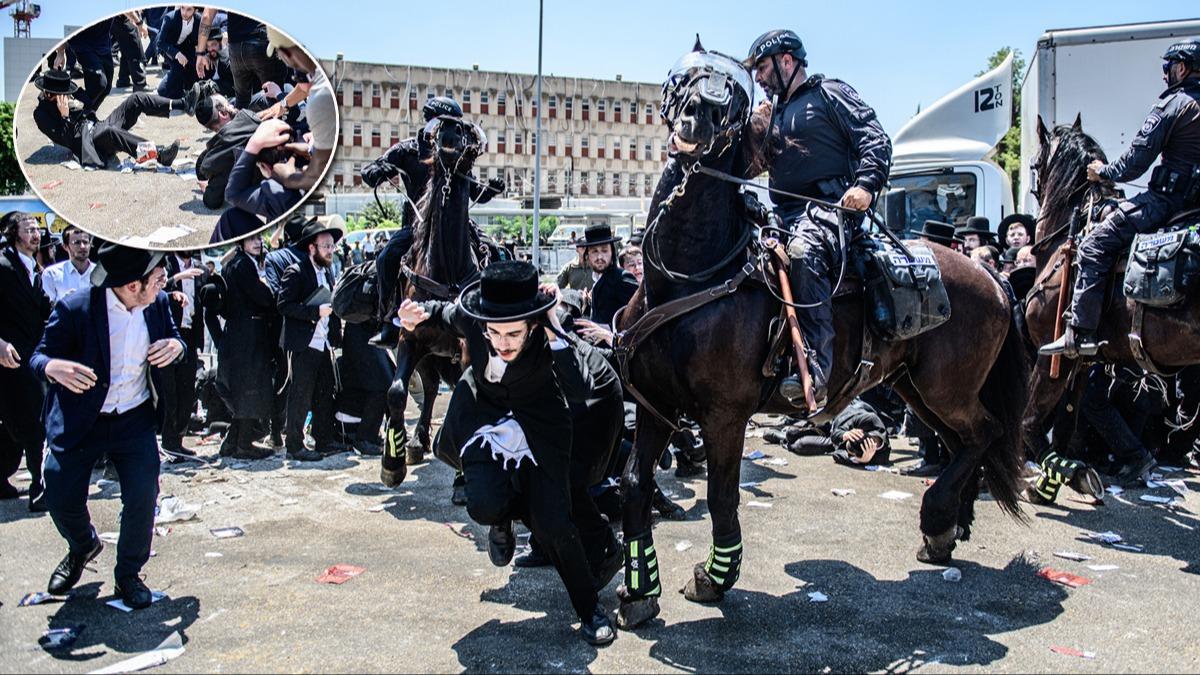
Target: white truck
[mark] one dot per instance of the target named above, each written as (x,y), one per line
(942,157)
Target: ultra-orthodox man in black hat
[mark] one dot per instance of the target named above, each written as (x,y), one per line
(533,399)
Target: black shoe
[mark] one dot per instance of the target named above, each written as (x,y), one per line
(332,448)
(167,155)
(277,441)
(305,455)
(191,98)
(7,491)
(598,631)
(1135,472)
(501,544)
(926,470)
(37,504)
(686,469)
(135,593)
(458,496)
(614,561)
(775,436)
(252,453)
(68,572)
(534,558)
(368,449)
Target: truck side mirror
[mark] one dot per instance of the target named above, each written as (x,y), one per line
(895,209)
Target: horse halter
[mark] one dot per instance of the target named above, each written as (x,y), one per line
(474,147)
(720,80)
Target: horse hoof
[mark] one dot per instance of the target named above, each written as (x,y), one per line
(392,478)
(414,455)
(633,613)
(936,550)
(701,588)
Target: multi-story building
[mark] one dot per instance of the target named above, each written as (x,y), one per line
(601,137)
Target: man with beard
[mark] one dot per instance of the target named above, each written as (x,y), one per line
(175,42)
(309,331)
(73,274)
(234,128)
(534,413)
(221,74)
(23,312)
(244,373)
(612,287)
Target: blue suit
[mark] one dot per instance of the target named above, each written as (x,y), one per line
(78,434)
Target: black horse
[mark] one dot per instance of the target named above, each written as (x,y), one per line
(443,259)
(965,378)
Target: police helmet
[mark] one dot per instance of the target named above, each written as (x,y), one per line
(1186,52)
(773,42)
(441,105)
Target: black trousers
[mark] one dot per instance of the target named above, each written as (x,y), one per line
(97,67)
(251,68)
(112,135)
(594,439)
(179,399)
(1116,412)
(374,409)
(241,435)
(133,58)
(279,411)
(310,389)
(21,395)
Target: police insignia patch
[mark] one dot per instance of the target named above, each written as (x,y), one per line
(849,91)
(1150,124)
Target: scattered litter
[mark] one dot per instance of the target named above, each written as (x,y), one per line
(214,554)
(1155,499)
(843,492)
(1114,489)
(895,495)
(758,505)
(1178,524)
(340,574)
(31,599)
(750,484)
(104,482)
(1065,578)
(57,638)
(1154,476)
(289,502)
(1103,568)
(162,531)
(52,184)
(118,603)
(1071,651)
(109,537)
(683,546)
(1071,555)
(882,469)
(169,649)
(757,454)
(1109,537)
(379,507)
(338,476)
(1135,548)
(174,510)
(817,596)
(1169,469)
(71,164)
(775,461)
(462,533)
(952,574)
(227,532)
(96,205)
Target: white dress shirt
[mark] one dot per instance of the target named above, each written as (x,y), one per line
(62,279)
(30,266)
(320,338)
(128,345)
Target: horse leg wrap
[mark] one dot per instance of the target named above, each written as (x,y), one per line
(1056,471)
(641,568)
(724,565)
(392,468)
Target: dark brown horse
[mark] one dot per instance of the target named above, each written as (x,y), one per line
(966,378)
(1171,336)
(441,260)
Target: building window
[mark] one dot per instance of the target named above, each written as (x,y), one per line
(520,105)
(358,89)
(600,110)
(647,185)
(649,113)
(338,180)
(501,103)
(616,148)
(583,143)
(356,175)
(649,150)
(569,106)
(484,100)
(500,143)
(552,107)
(412,99)
(376,138)
(395,136)
(615,186)
(587,108)
(616,111)
(376,94)
(357,136)
(600,148)
(519,143)
(632,149)
(449,93)
(633,185)
(552,139)
(466,102)
(584,182)
(430,94)
(394,98)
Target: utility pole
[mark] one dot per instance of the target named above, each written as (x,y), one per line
(537,159)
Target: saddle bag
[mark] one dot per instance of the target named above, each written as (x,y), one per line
(904,297)
(356,295)
(1163,267)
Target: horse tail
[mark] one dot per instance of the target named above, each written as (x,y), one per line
(1004,394)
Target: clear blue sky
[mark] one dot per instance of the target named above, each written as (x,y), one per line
(898,55)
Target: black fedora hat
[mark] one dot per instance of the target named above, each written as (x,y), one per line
(598,234)
(117,265)
(506,291)
(56,82)
(1022,280)
(1009,257)
(975,225)
(937,231)
(319,225)
(1023,219)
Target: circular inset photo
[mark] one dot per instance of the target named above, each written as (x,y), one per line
(176,126)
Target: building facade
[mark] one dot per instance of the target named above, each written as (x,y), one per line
(601,137)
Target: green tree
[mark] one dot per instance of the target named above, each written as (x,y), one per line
(1008,150)
(379,216)
(513,226)
(12,181)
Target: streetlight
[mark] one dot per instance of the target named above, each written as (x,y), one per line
(537,159)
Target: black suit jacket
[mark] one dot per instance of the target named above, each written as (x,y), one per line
(610,293)
(24,308)
(193,336)
(300,318)
(216,161)
(168,36)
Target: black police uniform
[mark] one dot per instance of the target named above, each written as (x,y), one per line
(828,140)
(1172,130)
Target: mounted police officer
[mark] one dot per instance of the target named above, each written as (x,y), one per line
(408,160)
(1172,130)
(823,142)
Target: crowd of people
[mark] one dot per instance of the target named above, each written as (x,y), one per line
(267,103)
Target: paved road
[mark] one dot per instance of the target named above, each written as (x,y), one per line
(431,601)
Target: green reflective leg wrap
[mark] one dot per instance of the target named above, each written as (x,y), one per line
(724,565)
(1056,471)
(641,568)
(396,440)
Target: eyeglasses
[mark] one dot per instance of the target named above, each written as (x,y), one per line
(1167,66)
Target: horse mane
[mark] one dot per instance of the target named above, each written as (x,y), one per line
(429,214)
(1065,176)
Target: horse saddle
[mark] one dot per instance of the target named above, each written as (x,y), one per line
(1164,266)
